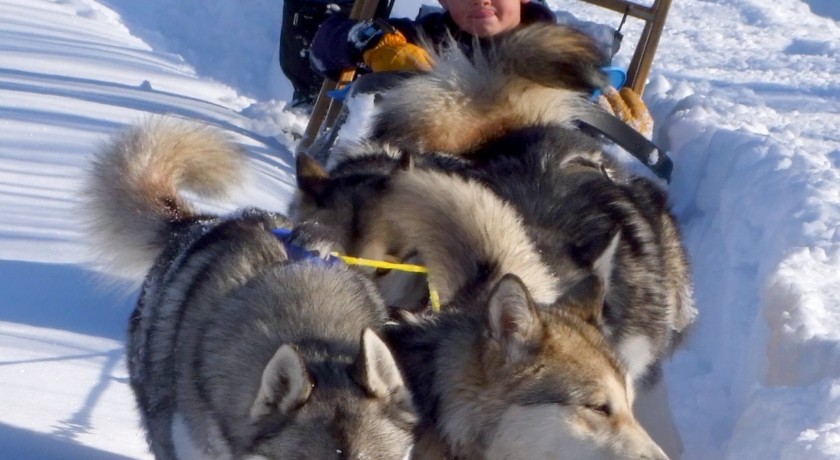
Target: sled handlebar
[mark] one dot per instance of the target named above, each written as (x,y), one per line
(326,109)
(654,17)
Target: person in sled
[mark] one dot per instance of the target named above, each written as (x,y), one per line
(393,44)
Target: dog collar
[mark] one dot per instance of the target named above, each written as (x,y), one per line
(298,253)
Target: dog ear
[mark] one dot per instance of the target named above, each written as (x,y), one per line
(375,369)
(604,263)
(312,178)
(513,321)
(285,385)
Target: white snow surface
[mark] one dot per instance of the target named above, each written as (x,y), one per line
(745,94)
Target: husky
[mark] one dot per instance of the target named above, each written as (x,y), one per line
(362,170)
(515,366)
(544,68)
(237,349)
(517,140)
(506,114)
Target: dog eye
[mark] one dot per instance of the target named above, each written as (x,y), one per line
(603,410)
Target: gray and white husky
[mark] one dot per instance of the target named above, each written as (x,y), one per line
(515,366)
(236,350)
(508,123)
(504,116)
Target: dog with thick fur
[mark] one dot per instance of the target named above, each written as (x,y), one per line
(513,135)
(236,349)
(518,141)
(515,366)
(333,206)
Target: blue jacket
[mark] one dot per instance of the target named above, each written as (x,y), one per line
(331,52)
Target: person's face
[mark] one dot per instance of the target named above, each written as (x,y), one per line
(485,18)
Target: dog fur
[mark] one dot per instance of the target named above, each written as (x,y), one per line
(574,203)
(234,350)
(538,73)
(514,367)
(572,200)
(571,196)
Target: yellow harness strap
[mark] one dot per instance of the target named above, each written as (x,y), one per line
(434,297)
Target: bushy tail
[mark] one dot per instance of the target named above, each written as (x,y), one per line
(552,56)
(539,74)
(132,195)
(460,227)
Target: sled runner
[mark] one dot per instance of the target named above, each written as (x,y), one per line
(321,130)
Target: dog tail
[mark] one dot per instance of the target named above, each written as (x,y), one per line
(464,232)
(677,277)
(552,56)
(539,74)
(132,194)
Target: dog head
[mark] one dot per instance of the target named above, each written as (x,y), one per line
(341,202)
(343,206)
(542,383)
(309,410)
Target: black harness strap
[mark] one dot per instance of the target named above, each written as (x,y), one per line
(600,122)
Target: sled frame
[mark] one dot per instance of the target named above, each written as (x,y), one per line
(326,110)
(654,17)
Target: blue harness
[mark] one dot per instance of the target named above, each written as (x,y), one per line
(299,253)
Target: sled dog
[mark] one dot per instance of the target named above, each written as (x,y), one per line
(514,367)
(237,349)
(505,113)
(517,141)
(360,174)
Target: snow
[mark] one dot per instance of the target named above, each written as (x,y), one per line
(745,94)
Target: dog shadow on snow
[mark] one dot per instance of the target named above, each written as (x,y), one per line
(64,297)
(19,444)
